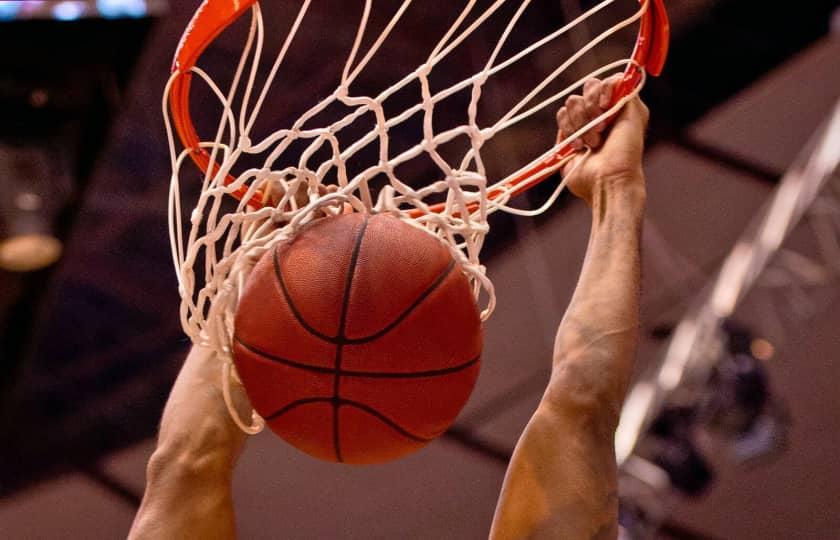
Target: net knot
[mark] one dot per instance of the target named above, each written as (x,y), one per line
(196,217)
(325,165)
(226,288)
(423,71)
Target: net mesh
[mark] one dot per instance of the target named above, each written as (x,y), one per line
(215,247)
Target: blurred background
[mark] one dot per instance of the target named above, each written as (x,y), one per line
(729,433)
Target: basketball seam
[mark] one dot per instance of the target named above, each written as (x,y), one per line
(340,339)
(294,404)
(425,294)
(295,313)
(378,414)
(339,348)
(355,373)
(361,406)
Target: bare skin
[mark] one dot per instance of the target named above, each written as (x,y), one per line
(188,478)
(561,482)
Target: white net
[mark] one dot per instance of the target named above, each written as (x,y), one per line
(308,169)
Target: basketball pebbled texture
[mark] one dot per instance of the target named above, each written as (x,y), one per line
(359,340)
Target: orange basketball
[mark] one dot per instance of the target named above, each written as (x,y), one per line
(358,340)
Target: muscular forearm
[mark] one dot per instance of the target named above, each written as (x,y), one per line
(561,482)
(189,475)
(596,342)
(195,420)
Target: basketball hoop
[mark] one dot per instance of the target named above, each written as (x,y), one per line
(453,209)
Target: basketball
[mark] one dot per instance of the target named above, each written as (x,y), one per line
(358,340)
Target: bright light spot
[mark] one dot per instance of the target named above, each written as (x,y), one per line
(678,354)
(121,8)
(8,10)
(69,10)
(636,408)
(762,349)
(29,252)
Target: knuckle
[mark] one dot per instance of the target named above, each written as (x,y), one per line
(644,112)
(591,85)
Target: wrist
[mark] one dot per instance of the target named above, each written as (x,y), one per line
(629,182)
(619,195)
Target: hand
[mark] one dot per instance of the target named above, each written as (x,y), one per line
(616,159)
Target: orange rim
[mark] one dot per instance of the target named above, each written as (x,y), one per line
(213,16)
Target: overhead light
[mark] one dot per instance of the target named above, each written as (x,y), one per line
(762,349)
(34,186)
(28,244)
(29,252)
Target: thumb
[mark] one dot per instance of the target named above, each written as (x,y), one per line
(628,129)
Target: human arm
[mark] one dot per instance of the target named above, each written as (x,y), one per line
(188,478)
(561,481)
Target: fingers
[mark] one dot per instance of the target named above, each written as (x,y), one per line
(592,107)
(564,124)
(642,111)
(608,90)
(633,116)
(579,118)
(580,110)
